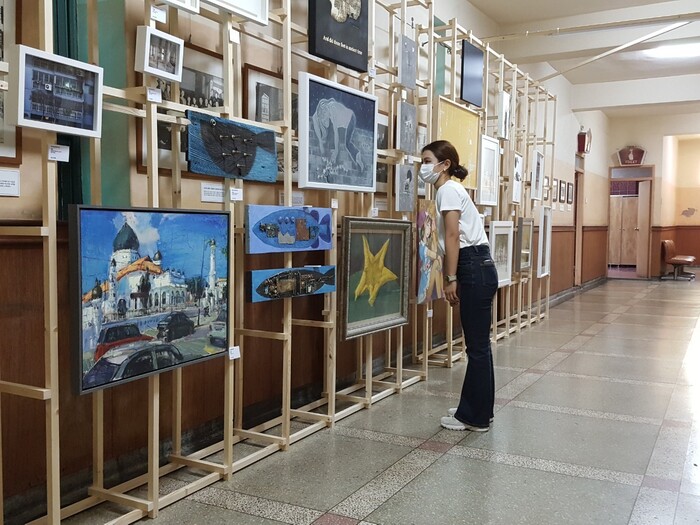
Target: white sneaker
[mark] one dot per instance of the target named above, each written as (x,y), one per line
(453,411)
(451,423)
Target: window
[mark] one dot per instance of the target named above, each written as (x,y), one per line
(141,364)
(165,357)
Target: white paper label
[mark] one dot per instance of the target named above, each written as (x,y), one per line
(234,36)
(158,14)
(236,194)
(334,204)
(381,203)
(430,313)
(568,207)
(372,72)
(4,86)
(212,192)
(374,212)
(9,183)
(404,217)
(487,212)
(234,352)
(512,213)
(297,198)
(154,95)
(561,207)
(59,153)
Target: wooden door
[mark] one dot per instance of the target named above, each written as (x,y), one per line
(628,244)
(644,227)
(615,231)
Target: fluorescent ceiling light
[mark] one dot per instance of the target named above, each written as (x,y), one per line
(675,51)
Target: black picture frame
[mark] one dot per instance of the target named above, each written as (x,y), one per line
(569,192)
(472,81)
(338,34)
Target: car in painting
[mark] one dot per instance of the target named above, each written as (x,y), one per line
(118,335)
(174,326)
(132,360)
(217,330)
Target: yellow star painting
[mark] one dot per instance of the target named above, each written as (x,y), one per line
(374,274)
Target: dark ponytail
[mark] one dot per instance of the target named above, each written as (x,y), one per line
(444,150)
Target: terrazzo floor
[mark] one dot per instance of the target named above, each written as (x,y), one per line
(598,421)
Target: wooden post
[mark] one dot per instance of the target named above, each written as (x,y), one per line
(153,442)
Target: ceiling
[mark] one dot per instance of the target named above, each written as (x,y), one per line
(578,30)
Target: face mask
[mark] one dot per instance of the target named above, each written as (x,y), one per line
(427,174)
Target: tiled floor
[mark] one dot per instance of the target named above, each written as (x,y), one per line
(598,421)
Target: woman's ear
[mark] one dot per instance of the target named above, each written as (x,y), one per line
(447,163)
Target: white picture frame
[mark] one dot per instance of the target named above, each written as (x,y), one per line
(489,172)
(321,103)
(384,169)
(544,250)
(186,5)
(10,135)
(159,54)
(254,10)
(522,261)
(536,175)
(517,181)
(501,241)
(38,106)
(503,109)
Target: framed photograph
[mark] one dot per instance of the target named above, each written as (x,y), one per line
(278,229)
(555,190)
(544,252)
(517,182)
(545,190)
(489,168)
(472,84)
(523,245)
(283,283)
(10,134)
(408,53)
(406,119)
(254,10)
(337,136)
(503,108)
(149,291)
(536,175)
(562,191)
(159,53)
(375,276)
(462,127)
(338,31)
(405,187)
(569,192)
(57,93)
(428,259)
(263,101)
(501,241)
(187,5)
(383,168)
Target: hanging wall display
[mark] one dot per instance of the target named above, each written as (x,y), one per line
(501,241)
(224,148)
(10,134)
(562,191)
(489,173)
(536,175)
(337,136)
(57,93)
(544,251)
(254,10)
(472,84)
(188,5)
(405,184)
(383,168)
(460,126)
(283,283)
(503,108)
(146,288)
(338,31)
(555,190)
(287,228)
(569,192)
(375,276)
(517,182)
(523,245)
(406,119)
(408,59)
(429,278)
(158,53)
(545,190)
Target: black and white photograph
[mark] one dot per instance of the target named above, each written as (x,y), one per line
(338,31)
(407,62)
(503,108)
(537,175)
(158,53)
(337,136)
(383,168)
(406,120)
(544,251)
(254,10)
(58,94)
(517,182)
(405,187)
(489,172)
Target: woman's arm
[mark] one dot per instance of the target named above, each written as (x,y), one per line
(451,219)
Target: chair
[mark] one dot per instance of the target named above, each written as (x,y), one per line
(677,261)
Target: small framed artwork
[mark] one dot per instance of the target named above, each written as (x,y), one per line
(544,252)
(407,62)
(523,245)
(501,241)
(338,31)
(268,285)
(537,175)
(503,108)
(148,289)
(10,134)
(254,10)
(337,136)
(569,192)
(187,5)
(159,53)
(428,259)
(383,168)
(555,190)
(279,229)
(562,191)
(545,190)
(489,163)
(406,121)
(405,187)
(375,276)
(517,182)
(57,93)
(472,74)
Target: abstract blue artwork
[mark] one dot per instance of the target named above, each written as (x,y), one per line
(229,149)
(267,285)
(287,229)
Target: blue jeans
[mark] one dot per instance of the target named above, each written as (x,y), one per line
(478,282)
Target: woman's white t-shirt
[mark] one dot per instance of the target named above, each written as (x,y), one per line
(452,196)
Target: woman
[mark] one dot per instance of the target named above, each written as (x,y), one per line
(469,273)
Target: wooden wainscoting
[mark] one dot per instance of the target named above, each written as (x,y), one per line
(594,263)
(563,258)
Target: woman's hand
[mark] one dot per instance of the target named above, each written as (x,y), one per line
(451,293)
